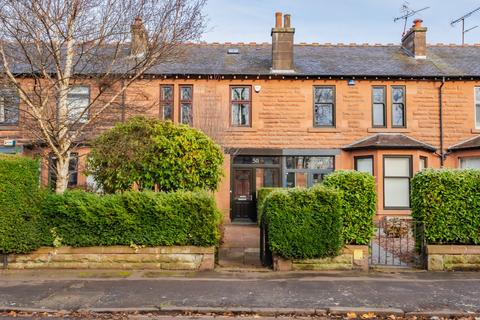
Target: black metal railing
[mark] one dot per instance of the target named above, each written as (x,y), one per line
(265,252)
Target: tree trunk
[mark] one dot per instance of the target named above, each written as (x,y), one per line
(62,174)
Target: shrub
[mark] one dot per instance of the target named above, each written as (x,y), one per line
(304,223)
(359,204)
(262,193)
(20,194)
(396,227)
(448,204)
(152,153)
(79,219)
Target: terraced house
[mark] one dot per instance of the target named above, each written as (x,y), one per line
(288,114)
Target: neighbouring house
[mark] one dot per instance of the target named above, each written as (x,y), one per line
(288,114)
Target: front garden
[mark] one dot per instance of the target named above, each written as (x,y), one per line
(447,203)
(325,227)
(315,228)
(168,204)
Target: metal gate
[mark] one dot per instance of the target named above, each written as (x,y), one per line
(397,242)
(265,252)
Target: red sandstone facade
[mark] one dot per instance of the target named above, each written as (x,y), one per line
(290,129)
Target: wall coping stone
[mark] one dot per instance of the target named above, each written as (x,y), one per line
(125,250)
(453,249)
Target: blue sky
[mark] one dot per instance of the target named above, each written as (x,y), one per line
(340,21)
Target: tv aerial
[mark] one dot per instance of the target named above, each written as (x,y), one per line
(462,19)
(407,14)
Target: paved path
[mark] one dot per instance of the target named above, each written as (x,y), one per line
(415,291)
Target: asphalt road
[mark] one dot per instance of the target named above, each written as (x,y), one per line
(407,291)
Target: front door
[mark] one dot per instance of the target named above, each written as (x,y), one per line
(243,194)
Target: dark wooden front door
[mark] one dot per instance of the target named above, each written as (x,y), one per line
(243,194)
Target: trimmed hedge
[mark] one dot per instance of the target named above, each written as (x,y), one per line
(304,223)
(262,193)
(81,219)
(20,194)
(448,204)
(151,153)
(359,204)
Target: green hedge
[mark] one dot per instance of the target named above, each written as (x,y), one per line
(448,204)
(304,223)
(359,204)
(80,219)
(262,193)
(20,227)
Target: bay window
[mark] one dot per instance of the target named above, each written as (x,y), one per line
(397,171)
(470,163)
(364,164)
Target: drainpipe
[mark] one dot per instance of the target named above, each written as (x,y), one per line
(440,96)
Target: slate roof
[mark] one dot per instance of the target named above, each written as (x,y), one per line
(388,141)
(328,60)
(472,143)
(310,60)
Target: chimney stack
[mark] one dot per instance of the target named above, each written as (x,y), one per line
(282,45)
(139,44)
(415,40)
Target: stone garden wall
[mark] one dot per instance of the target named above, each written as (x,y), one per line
(351,258)
(117,257)
(453,257)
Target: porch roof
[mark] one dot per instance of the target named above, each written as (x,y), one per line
(389,141)
(472,143)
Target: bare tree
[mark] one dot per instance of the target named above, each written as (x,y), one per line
(49,47)
(213,118)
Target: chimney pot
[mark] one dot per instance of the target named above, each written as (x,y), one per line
(278,20)
(286,21)
(417,23)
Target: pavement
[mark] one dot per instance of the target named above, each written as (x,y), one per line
(272,293)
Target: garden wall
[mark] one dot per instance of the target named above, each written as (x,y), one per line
(117,257)
(351,258)
(453,257)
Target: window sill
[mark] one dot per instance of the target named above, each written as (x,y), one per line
(475,130)
(388,130)
(326,129)
(241,129)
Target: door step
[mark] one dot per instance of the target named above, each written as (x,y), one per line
(240,246)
